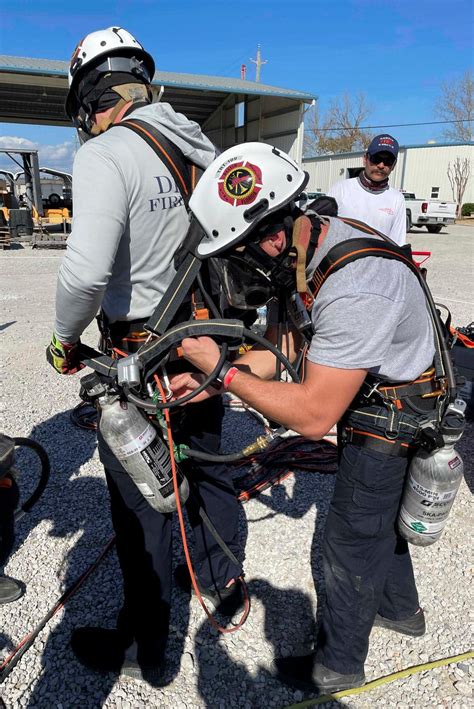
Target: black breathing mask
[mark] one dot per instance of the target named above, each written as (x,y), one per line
(250,278)
(245,284)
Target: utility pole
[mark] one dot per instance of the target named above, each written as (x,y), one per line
(258,61)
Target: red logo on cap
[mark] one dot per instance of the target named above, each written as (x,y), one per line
(240,183)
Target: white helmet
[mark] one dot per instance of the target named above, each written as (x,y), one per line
(120,52)
(242,186)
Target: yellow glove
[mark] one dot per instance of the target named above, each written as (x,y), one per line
(63,357)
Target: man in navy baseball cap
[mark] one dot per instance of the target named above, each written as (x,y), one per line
(383,144)
(368,197)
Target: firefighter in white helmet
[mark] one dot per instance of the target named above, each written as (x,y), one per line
(371,331)
(129,219)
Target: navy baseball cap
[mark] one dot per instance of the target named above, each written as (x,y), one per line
(383,144)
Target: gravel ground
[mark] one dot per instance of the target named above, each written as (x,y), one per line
(61,536)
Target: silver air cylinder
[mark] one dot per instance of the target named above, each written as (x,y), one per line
(432,483)
(136,444)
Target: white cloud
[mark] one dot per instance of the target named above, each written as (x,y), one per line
(12,141)
(59,156)
(56,155)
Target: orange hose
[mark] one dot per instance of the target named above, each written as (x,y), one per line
(179,510)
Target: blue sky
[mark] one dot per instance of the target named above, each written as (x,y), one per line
(397,52)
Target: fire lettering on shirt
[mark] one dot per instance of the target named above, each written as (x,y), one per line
(165,198)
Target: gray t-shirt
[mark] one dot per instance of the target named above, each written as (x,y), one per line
(372,314)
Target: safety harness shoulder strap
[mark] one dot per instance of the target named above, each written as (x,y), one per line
(350,251)
(354,249)
(183,171)
(185,174)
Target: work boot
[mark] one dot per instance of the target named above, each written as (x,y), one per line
(226,600)
(103,650)
(10,590)
(414,625)
(303,671)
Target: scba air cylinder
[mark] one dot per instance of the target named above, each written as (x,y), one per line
(432,483)
(136,444)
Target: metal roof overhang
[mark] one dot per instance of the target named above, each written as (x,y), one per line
(34,91)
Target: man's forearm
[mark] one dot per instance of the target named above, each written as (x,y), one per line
(284,402)
(262,362)
(74,313)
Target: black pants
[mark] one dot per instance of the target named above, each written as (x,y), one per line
(367,565)
(144,543)
(9,497)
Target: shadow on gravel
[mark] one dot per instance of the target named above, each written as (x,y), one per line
(6,325)
(71,504)
(6,644)
(309,489)
(289,623)
(220,677)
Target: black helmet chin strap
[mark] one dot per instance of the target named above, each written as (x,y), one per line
(129,93)
(95,93)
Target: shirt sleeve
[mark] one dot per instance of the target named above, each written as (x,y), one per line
(355,331)
(398,231)
(100,218)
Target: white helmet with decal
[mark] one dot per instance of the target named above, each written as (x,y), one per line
(242,186)
(119,51)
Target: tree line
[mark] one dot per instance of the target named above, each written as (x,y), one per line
(341,128)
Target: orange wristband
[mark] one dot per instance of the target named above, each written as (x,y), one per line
(228,377)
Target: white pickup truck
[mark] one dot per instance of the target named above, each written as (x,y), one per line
(433,214)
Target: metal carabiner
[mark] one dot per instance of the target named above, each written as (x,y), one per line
(374,388)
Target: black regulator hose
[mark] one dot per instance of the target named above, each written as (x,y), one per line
(259,339)
(208,298)
(440,339)
(151,406)
(214,458)
(44,475)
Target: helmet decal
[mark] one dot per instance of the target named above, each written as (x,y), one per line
(240,183)
(76,61)
(243,185)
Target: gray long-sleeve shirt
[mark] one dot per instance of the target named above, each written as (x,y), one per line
(129,219)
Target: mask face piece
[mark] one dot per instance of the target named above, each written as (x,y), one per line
(245,284)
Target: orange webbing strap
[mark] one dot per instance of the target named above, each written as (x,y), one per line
(466,341)
(200,312)
(427,386)
(362,226)
(381,444)
(169,153)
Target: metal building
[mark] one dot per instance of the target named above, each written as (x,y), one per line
(421,169)
(229,110)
